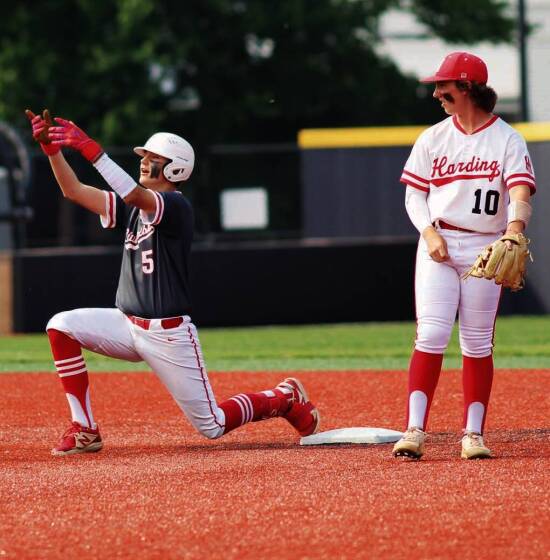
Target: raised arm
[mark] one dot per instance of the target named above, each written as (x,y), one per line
(91,198)
(68,134)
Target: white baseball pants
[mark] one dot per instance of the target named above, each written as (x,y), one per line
(174,354)
(440,292)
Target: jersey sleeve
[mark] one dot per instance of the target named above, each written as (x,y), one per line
(171,214)
(518,169)
(416,172)
(113,217)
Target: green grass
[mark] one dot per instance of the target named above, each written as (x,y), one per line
(520,342)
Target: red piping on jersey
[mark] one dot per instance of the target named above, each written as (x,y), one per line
(409,184)
(159,210)
(528,180)
(203,377)
(487,124)
(528,175)
(419,179)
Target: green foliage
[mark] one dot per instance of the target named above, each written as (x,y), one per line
(461,21)
(310,347)
(219,70)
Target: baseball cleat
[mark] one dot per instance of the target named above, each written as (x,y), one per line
(302,414)
(473,447)
(411,444)
(78,439)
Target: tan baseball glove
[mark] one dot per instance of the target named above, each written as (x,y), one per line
(504,266)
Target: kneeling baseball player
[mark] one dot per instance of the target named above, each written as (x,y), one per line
(151,320)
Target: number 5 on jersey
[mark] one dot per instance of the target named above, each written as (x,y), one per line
(147,262)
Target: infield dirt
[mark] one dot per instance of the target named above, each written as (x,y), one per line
(159,490)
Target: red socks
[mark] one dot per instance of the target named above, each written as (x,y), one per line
(477,379)
(424,373)
(252,407)
(73,374)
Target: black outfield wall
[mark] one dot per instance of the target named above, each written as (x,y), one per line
(318,281)
(255,284)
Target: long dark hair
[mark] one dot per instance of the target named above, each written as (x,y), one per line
(482,96)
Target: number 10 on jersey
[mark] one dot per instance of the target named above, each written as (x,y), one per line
(488,204)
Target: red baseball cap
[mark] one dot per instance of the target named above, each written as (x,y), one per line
(460,66)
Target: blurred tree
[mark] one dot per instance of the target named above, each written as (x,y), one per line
(221,70)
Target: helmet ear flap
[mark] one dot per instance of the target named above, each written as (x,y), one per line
(176,173)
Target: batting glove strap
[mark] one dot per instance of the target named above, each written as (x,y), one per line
(91,150)
(115,176)
(50,149)
(68,134)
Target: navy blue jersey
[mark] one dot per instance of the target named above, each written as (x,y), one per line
(154,277)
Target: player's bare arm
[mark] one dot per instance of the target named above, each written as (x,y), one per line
(89,197)
(68,134)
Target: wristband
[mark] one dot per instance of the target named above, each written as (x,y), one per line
(91,150)
(115,176)
(519,210)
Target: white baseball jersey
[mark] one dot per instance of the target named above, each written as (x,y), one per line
(467,176)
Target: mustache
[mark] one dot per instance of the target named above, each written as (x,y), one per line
(448,97)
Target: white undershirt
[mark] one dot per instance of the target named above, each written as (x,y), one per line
(417,208)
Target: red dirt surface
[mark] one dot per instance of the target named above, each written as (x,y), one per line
(158,490)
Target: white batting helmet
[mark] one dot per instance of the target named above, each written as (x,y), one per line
(176,149)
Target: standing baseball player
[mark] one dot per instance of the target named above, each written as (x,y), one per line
(469,180)
(151,321)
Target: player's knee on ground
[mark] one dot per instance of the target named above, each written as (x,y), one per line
(433,336)
(476,343)
(210,432)
(209,426)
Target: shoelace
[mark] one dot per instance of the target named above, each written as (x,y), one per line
(295,395)
(412,435)
(73,429)
(476,440)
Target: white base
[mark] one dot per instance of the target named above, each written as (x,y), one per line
(352,435)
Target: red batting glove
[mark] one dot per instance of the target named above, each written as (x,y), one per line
(40,128)
(68,134)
